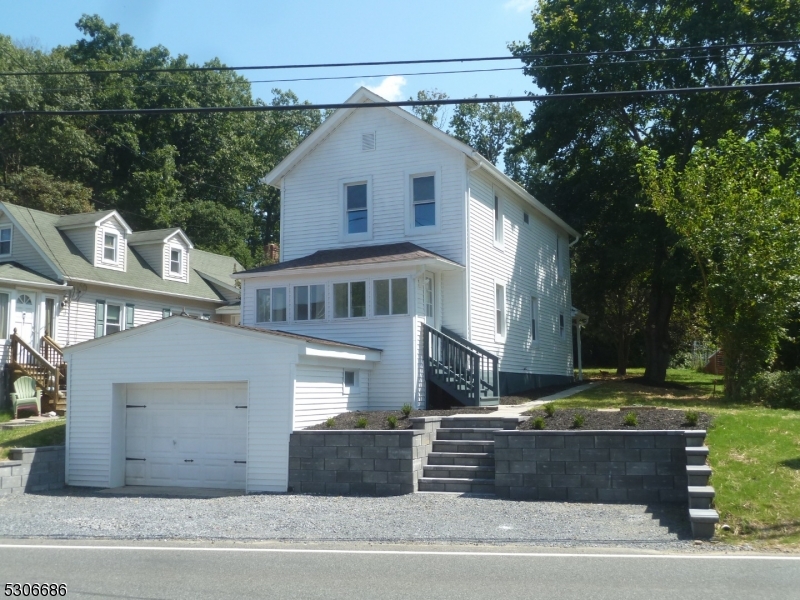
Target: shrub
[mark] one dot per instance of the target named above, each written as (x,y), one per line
(691,418)
(538,423)
(549,409)
(391,420)
(779,389)
(579,420)
(330,422)
(630,419)
(406,410)
(361,423)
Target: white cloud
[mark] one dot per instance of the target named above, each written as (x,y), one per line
(390,88)
(520,5)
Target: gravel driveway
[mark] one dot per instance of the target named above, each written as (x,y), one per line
(427,518)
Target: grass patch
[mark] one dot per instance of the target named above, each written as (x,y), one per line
(755,451)
(47,434)
(5,415)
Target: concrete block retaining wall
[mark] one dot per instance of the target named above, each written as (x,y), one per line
(32,470)
(591,466)
(360,462)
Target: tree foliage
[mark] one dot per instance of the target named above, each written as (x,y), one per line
(587,150)
(736,207)
(196,171)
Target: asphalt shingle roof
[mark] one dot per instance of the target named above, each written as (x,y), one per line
(12,271)
(42,229)
(360,255)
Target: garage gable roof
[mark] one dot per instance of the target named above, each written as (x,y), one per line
(215,325)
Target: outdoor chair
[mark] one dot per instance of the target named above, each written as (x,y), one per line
(26,396)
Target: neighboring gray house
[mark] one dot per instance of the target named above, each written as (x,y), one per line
(67,279)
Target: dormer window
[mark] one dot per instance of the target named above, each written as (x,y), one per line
(5,241)
(175,261)
(110,247)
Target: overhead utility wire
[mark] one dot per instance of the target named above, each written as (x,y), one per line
(786,85)
(338,77)
(409,62)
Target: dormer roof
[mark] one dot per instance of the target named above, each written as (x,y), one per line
(158,236)
(364,96)
(94,219)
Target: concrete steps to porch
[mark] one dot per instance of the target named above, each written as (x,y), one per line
(462,460)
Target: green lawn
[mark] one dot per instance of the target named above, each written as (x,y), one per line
(755,452)
(47,434)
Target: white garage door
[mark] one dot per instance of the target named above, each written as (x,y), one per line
(186,435)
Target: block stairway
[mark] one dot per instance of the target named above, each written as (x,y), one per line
(462,459)
(701,495)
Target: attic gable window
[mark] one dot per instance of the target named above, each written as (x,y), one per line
(5,241)
(175,261)
(110,247)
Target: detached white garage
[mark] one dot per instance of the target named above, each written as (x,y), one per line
(192,403)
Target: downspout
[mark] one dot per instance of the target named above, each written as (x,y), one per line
(478,164)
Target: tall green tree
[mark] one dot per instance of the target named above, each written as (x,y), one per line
(589,147)
(490,128)
(736,207)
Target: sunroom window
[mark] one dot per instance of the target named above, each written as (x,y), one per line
(271,305)
(309,302)
(349,300)
(391,296)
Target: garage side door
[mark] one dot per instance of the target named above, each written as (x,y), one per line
(186,435)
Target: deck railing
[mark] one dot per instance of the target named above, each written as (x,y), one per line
(461,368)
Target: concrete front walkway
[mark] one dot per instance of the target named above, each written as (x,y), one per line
(518,409)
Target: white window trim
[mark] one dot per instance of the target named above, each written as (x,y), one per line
(121,306)
(10,239)
(344,236)
(179,250)
(500,337)
(367,303)
(115,234)
(534,316)
(409,175)
(11,305)
(499,242)
(371,295)
(289,304)
(356,387)
(294,287)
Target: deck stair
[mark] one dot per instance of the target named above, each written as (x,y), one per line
(46,366)
(465,371)
(462,459)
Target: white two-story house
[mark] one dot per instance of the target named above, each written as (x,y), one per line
(397,236)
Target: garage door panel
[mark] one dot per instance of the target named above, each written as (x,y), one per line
(189,434)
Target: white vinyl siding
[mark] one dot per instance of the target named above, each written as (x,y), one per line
(311,203)
(319,394)
(527,267)
(392,379)
(175,243)
(110,227)
(95,438)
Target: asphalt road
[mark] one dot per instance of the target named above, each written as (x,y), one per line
(355,572)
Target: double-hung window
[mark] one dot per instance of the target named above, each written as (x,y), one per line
(309,302)
(390,296)
(175,261)
(561,326)
(111,318)
(349,300)
(423,198)
(500,310)
(356,208)
(5,241)
(271,305)
(534,319)
(110,247)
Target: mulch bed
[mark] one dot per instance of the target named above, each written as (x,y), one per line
(654,418)
(536,393)
(376,419)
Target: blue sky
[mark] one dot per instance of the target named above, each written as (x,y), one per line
(247,32)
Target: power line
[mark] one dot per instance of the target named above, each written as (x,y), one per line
(786,85)
(366,76)
(410,62)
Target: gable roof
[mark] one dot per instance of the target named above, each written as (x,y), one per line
(359,255)
(365,96)
(156,236)
(175,319)
(17,273)
(93,219)
(41,228)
